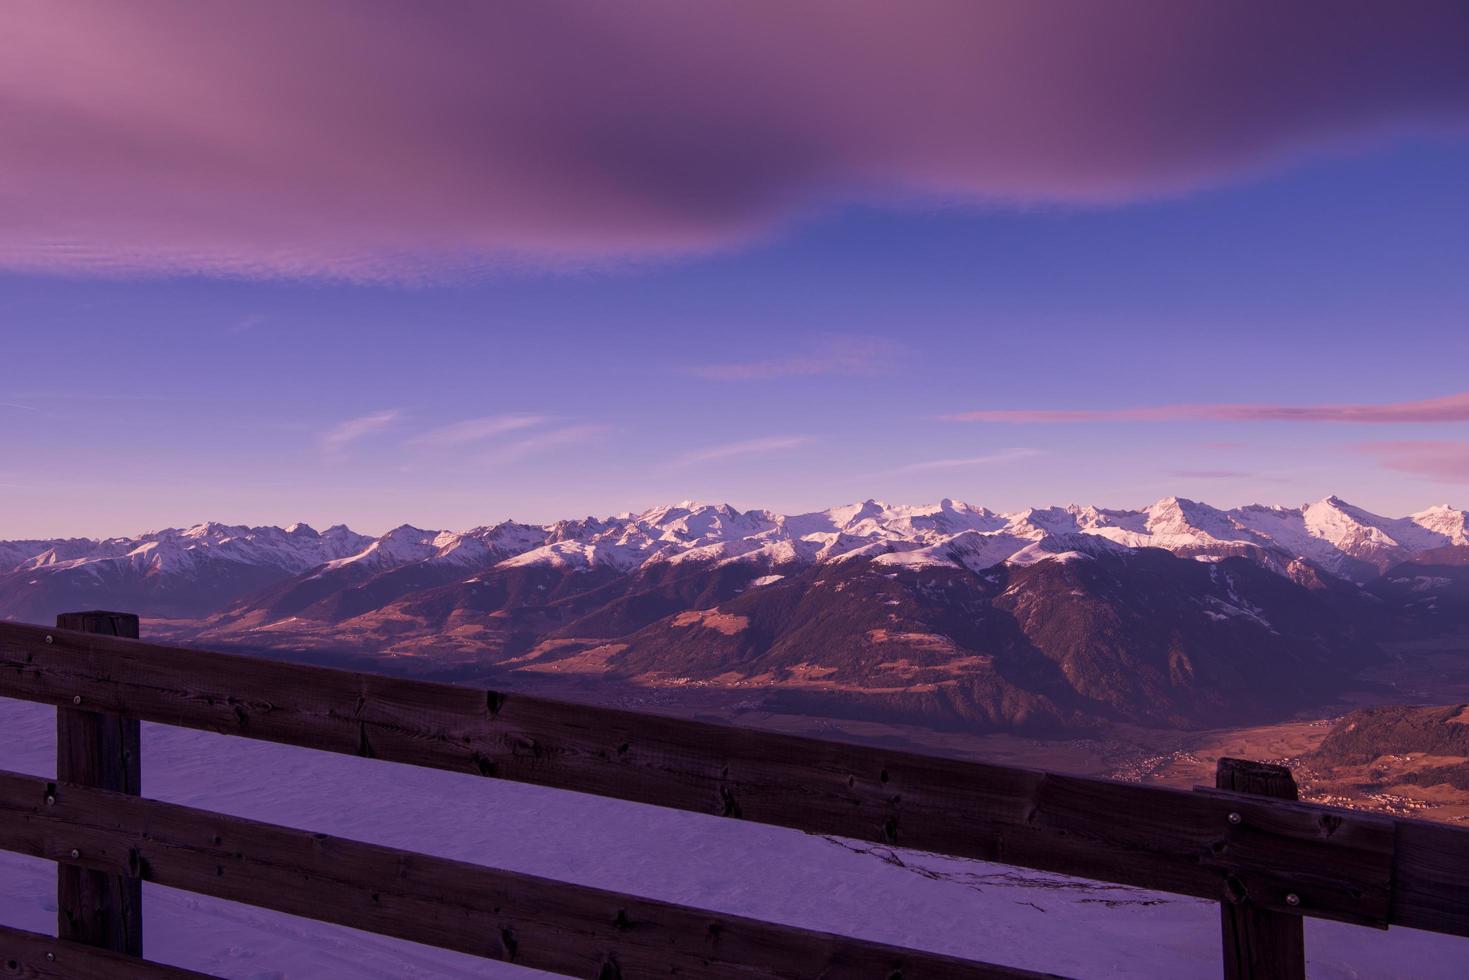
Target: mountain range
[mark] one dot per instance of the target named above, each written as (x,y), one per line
(949,614)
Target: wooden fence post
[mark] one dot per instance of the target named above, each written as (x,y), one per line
(100,750)
(1259,944)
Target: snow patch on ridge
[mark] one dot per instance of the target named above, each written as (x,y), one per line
(1332,534)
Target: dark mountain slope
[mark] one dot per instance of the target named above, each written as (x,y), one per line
(1141,636)
(1427,596)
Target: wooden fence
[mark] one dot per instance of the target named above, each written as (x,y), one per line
(1268,859)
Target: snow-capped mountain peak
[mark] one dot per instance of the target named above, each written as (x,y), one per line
(1331,535)
(1444,521)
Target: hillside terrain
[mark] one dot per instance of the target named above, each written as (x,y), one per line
(1403,749)
(950,616)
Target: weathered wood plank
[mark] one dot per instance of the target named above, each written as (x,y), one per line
(502,915)
(1338,862)
(32,956)
(1431,877)
(102,750)
(1259,945)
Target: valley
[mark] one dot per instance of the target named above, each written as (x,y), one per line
(1179,758)
(1131,644)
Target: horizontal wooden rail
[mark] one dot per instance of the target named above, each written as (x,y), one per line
(503,915)
(1279,855)
(36,957)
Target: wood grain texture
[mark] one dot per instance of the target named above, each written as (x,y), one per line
(1339,862)
(103,750)
(503,915)
(100,621)
(1258,944)
(1431,877)
(32,956)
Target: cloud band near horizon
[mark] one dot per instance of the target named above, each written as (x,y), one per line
(1450,408)
(1441,460)
(392,140)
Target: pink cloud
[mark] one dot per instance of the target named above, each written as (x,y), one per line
(1442,460)
(377,139)
(1211,474)
(965,462)
(1206,474)
(1450,408)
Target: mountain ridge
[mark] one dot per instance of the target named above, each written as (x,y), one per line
(949,614)
(1342,538)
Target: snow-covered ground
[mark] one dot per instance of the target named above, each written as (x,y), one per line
(965,908)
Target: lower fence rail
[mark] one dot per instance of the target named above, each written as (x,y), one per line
(503,915)
(37,957)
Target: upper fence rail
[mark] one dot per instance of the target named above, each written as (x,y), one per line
(1277,855)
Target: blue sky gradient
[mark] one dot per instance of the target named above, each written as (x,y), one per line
(811,367)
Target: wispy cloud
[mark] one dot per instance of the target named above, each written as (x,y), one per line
(990,459)
(476,430)
(18,407)
(828,354)
(544,442)
(245,324)
(747,447)
(1211,474)
(1450,408)
(342,435)
(1443,460)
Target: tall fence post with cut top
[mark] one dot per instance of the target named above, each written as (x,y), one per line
(1260,944)
(102,750)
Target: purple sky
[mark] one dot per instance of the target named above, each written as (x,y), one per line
(452,262)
